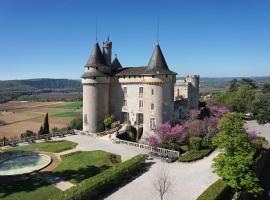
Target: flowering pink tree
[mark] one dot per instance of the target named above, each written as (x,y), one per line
(252,135)
(216,109)
(167,136)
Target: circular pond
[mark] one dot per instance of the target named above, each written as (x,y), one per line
(24,164)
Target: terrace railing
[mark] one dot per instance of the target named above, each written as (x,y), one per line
(14,142)
(161,151)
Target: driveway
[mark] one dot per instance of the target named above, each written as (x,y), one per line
(262,130)
(188,180)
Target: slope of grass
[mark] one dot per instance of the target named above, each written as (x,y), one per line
(51,146)
(73,105)
(81,165)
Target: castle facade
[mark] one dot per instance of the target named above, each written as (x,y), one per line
(144,96)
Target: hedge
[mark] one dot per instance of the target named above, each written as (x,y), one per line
(193,155)
(195,143)
(95,187)
(217,191)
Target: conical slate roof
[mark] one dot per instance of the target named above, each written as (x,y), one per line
(116,64)
(157,63)
(96,58)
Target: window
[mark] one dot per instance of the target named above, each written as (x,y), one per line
(152,123)
(125,102)
(140,104)
(125,117)
(125,90)
(152,106)
(152,91)
(140,118)
(85,118)
(140,90)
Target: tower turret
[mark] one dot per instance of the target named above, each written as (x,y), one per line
(107,51)
(193,91)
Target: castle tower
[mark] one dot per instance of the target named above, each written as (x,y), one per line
(95,82)
(107,51)
(193,91)
(159,81)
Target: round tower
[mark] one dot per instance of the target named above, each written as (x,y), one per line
(95,92)
(193,97)
(159,83)
(107,51)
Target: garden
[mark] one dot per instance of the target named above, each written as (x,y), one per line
(193,137)
(75,167)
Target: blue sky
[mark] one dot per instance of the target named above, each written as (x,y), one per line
(213,38)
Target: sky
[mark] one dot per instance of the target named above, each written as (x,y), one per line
(212,38)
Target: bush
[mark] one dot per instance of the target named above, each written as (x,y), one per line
(217,191)
(114,124)
(108,120)
(193,155)
(28,133)
(76,124)
(195,143)
(108,180)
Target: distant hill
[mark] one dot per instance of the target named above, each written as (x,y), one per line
(47,89)
(14,89)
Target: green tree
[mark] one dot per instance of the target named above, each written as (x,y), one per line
(108,120)
(76,124)
(266,88)
(241,99)
(261,107)
(235,163)
(248,81)
(46,127)
(233,85)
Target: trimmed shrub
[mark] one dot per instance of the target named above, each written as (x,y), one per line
(195,143)
(95,187)
(193,155)
(217,191)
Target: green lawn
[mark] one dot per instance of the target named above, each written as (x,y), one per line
(74,167)
(73,105)
(66,114)
(51,146)
(81,165)
(32,188)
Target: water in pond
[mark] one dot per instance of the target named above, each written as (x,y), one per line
(24,164)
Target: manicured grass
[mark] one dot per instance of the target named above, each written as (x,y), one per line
(66,114)
(193,155)
(73,105)
(32,188)
(75,167)
(217,191)
(81,165)
(51,146)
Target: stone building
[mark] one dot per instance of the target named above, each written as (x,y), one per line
(143,96)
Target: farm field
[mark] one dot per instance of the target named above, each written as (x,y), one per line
(18,116)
